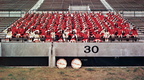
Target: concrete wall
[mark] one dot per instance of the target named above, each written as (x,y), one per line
(72,49)
(25,49)
(104,49)
(79,8)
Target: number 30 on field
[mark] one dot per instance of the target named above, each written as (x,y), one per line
(93,49)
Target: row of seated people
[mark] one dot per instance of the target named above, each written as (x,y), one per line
(72,27)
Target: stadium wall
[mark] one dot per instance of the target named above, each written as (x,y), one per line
(72,49)
(68,50)
(99,49)
(25,49)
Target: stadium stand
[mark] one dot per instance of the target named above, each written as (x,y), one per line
(127,5)
(4,21)
(63,5)
(72,27)
(139,22)
(13,5)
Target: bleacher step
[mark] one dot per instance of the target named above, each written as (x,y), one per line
(2,35)
(141,35)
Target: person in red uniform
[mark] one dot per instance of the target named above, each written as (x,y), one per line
(14,30)
(42,31)
(97,37)
(20,32)
(26,35)
(48,37)
(112,32)
(85,37)
(74,37)
(59,35)
(134,34)
(126,33)
(120,34)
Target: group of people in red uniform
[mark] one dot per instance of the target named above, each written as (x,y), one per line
(72,27)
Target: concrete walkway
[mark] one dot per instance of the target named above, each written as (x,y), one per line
(104,2)
(36,6)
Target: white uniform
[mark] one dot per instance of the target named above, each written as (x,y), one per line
(65,35)
(9,34)
(36,38)
(106,34)
(31,35)
(53,35)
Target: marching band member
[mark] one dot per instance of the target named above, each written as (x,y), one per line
(53,34)
(48,36)
(112,32)
(36,36)
(85,36)
(97,37)
(126,33)
(74,36)
(31,35)
(8,35)
(134,33)
(120,33)
(64,27)
(65,34)
(106,34)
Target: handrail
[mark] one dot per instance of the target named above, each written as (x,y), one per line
(77,40)
(12,13)
(22,13)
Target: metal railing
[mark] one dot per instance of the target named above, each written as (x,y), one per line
(22,13)
(78,40)
(12,13)
(132,13)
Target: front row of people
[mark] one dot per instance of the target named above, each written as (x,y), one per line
(66,36)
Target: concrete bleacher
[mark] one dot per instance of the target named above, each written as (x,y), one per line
(127,5)
(6,21)
(11,10)
(12,5)
(63,5)
(139,23)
